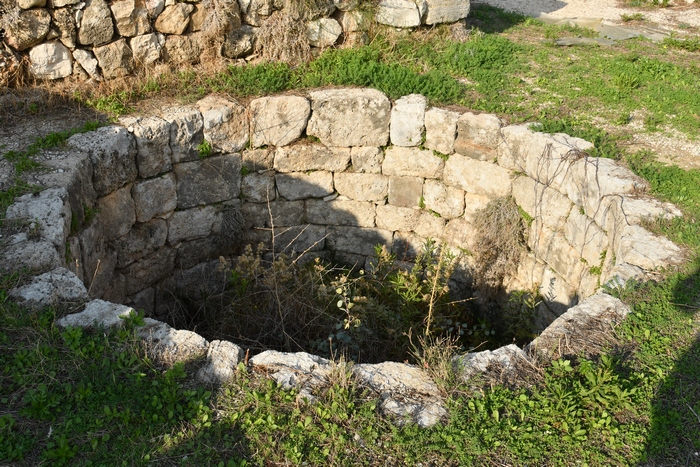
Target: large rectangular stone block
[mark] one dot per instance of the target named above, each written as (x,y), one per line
(340,212)
(542,202)
(295,186)
(186,132)
(300,239)
(407,117)
(140,241)
(304,157)
(405,191)
(278,120)
(193,223)
(478,136)
(357,240)
(154,197)
(275,213)
(367,159)
(477,177)
(397,218)
(412,162)
(152,136)
(441,130)
(444,200)
(208,181)
(362,187)
(258,187)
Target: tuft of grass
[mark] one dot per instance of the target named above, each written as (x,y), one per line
(626,18)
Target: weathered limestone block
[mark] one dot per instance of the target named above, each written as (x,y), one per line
(152,135)
(209,181)
(30,28)
(88,62)
(183,49)
(323,32)
(460,233)
(35,255)
(131,18)
(353,21)
(552,248)
(357,240)
(362,187)
(278,120)
(405,191)
(473,204)
(412,162)
(116,59)
(258,188)
(60,3)
(507,359)
(51,60)
(367,159)
(148,270)
(558,295)
(446,11)
(170,345)
(478,136)
(239,42)
(441,130)
(294,370)
(295,186)
(155,197)
(154,7)
(407,245)
(57,287)
(174,19)
(140,241)
(192,224)
(528,275)
(398,13)
(407,120)
(397,218)
(254,12)
(98,261)
(97,313)
(64,21)
(186,132)
(303,157)
(428,226)
(340,212)
(27,4)
(258,159)
(147,48)
(300,238)
(639,247)
(225,123)
(283,214)
(96,26)
(477,177)
(197,18)
(192,253)
(444,200)
(541,202)
(346,5)
(586,237)
(117,213)
(223,358)
(350,117)
(49,211)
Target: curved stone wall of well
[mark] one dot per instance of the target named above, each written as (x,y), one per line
(149,205)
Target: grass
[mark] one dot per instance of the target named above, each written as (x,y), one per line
(71,397)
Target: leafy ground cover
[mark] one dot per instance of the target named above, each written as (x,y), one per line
(69,397)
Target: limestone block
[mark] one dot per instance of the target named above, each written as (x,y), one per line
(412,162)
(51,60)
(552,248)
(340,212)
(152,135)
(355,39)
(620,274)
(478,136)
(154,197)
(34,255)
(147,48)
(303,157)
(254,12)
(29,29)
(397,218)
(508,358)
(527,276)
(116,59)
(300,239)
(117,213)
(225,123)
(98,261)
(357,240)
(350,117)
(441,130)
(405,191)
(461,233)
(353,21)
(174,19)
(639,247)
(208,181)
(186,132)
(557,294)
(477,177)
(275,214)
(88,62)
(140,241)
(194,252)
(293,369)
(446,11)
(96,26)
(192,224)
(398,13)
(170,345)
(97,313)
(204,279)
(64,21)
(239,42)
(429,226)
(27,4)
(586,237)
(362,187)
(473,204)
(346,5)
(295,186)
(197,18)
(258,159)
(258,188)
(183,49)
(323,32)
(154,7)
(57,287)
(542,202)
(131,18)
(60,3)
(367,159)
(223,358)
(407,120)
(278,120)
(444,200)
(407,245)
(49,211)
(149,270)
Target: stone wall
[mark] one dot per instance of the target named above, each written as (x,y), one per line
(109,39)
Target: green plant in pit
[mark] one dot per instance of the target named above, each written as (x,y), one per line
(204,149)
(631,17)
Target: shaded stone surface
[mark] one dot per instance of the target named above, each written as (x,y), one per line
(208,181)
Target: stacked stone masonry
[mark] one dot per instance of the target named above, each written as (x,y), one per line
(133,211)
(111,38)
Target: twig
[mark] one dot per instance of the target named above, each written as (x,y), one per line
(694,413)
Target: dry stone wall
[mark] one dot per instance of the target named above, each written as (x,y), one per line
(134,211)
(111,38)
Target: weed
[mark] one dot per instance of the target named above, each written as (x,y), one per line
(204,149)
(632,17)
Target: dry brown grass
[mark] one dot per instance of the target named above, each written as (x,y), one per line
(282,38)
